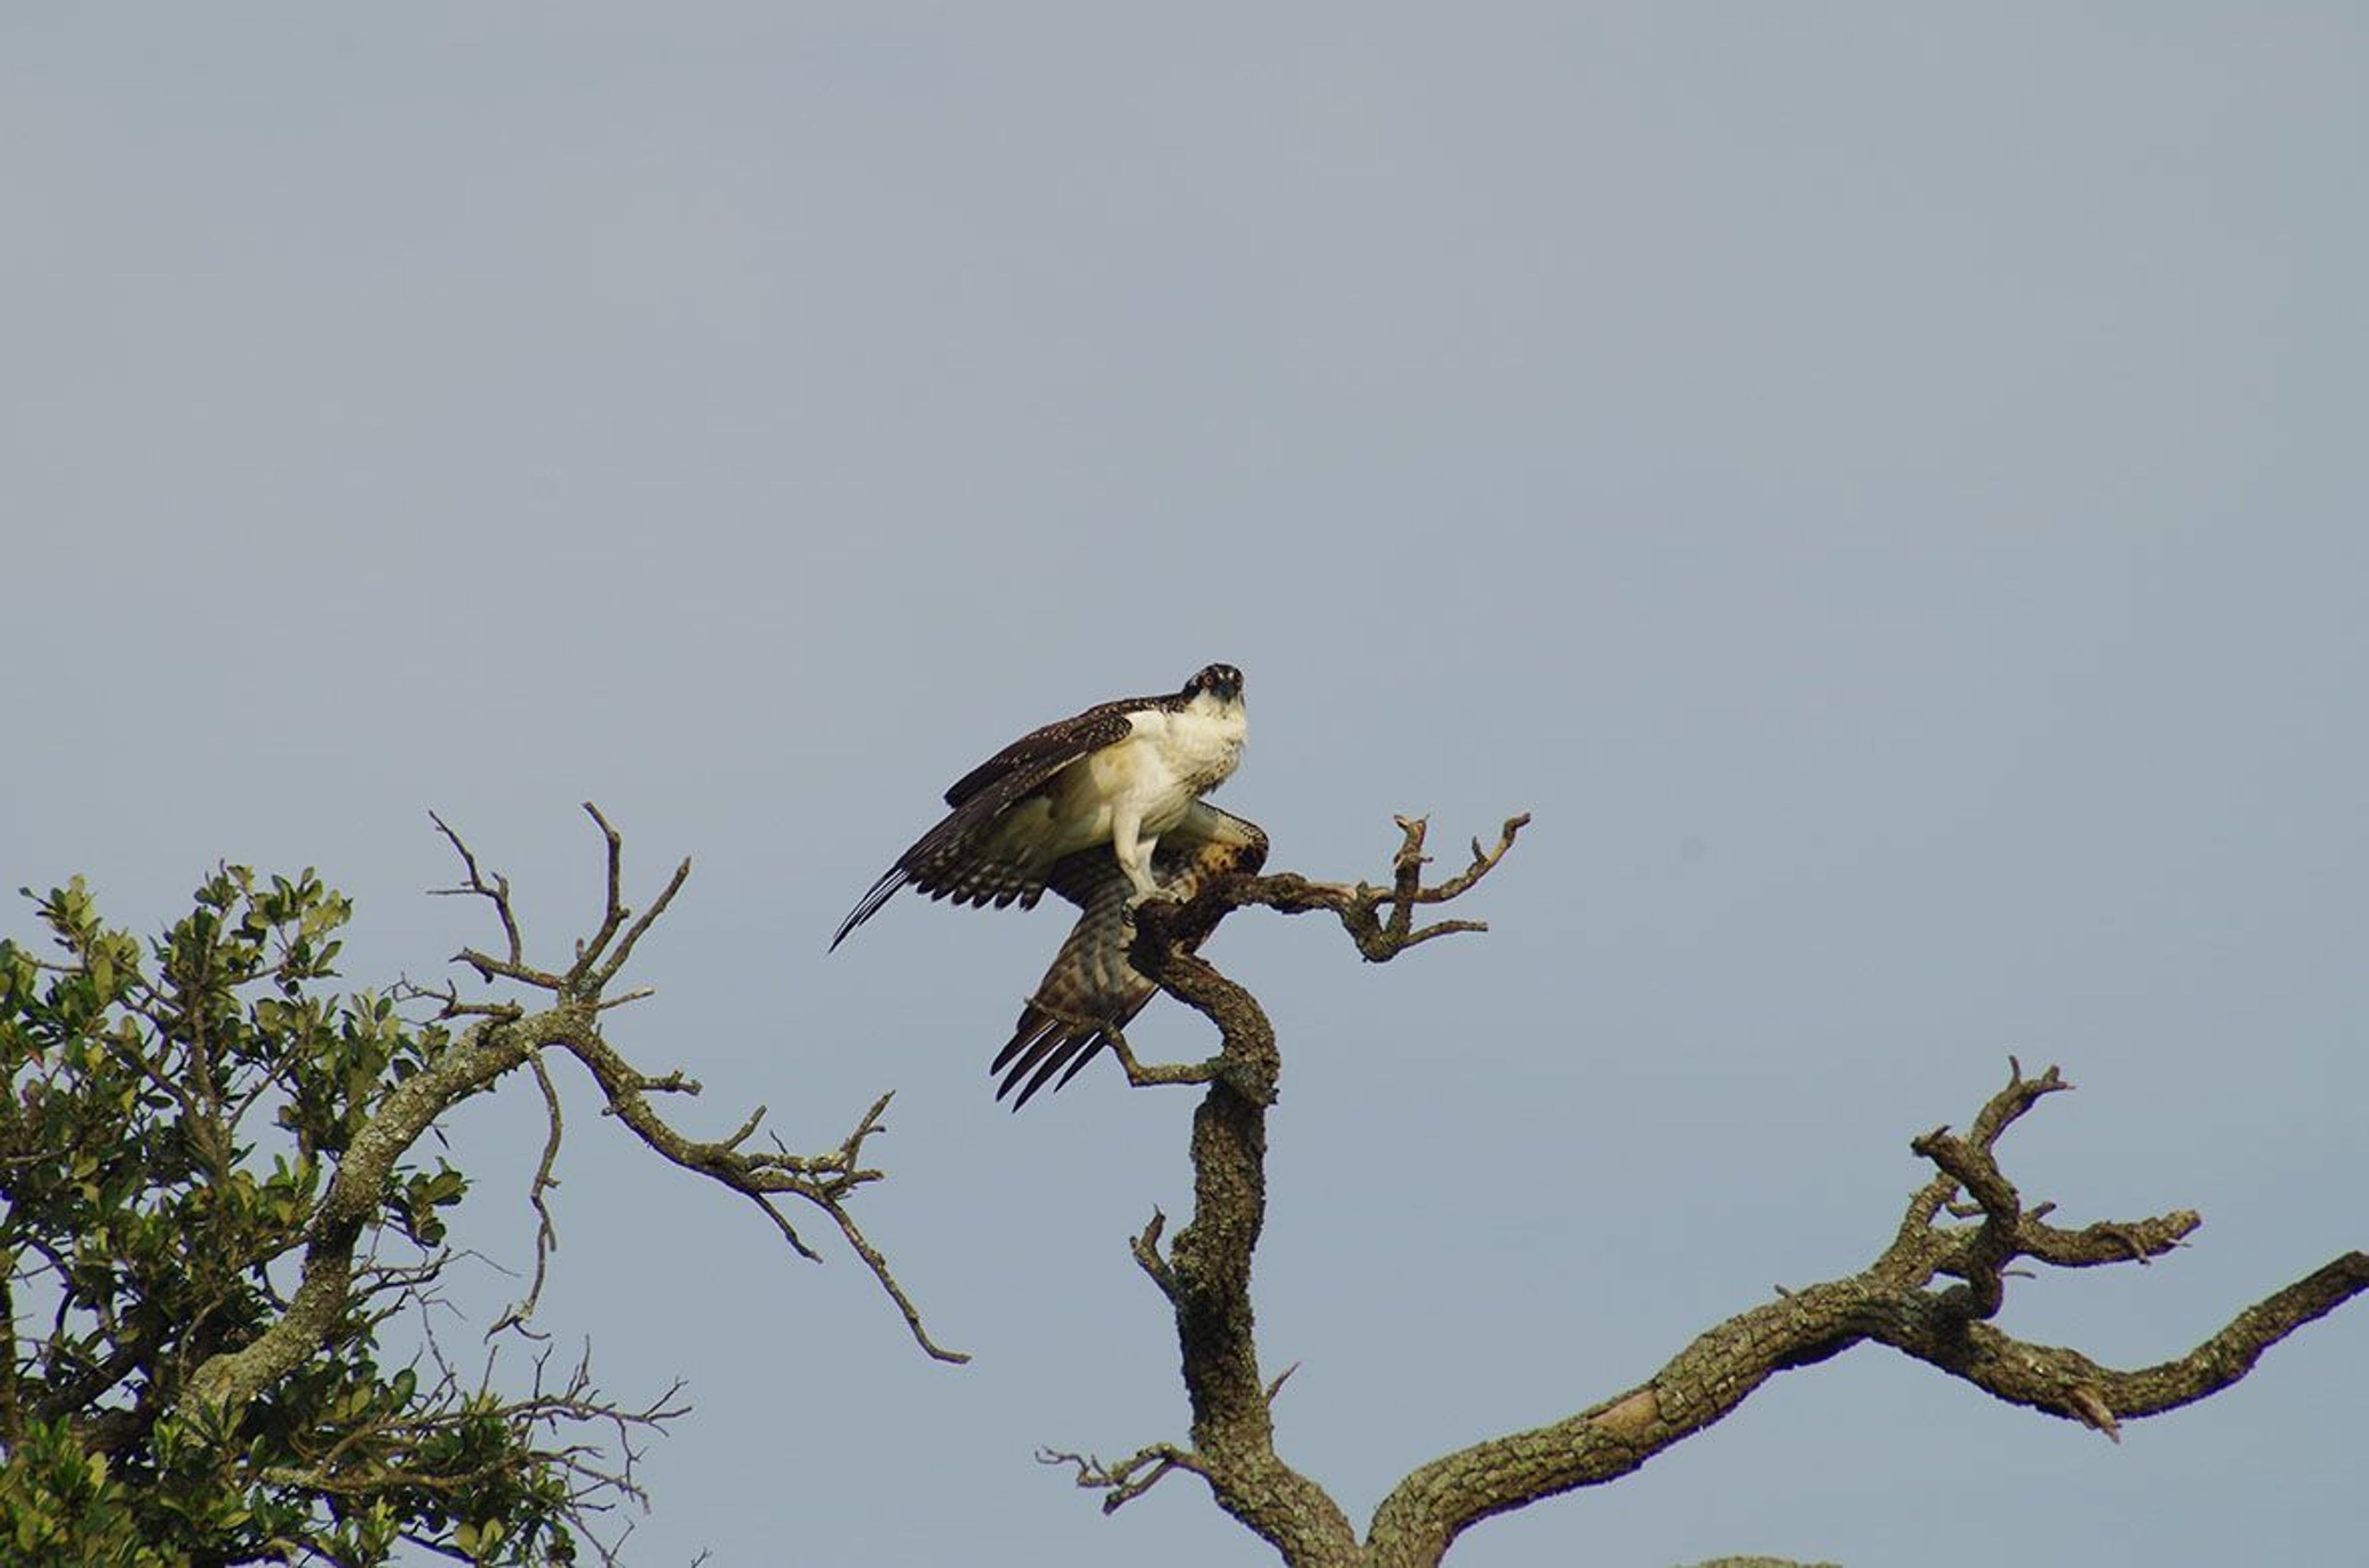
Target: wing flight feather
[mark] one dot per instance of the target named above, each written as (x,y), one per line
(955,859)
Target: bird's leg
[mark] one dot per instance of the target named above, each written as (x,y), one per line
(1134,851)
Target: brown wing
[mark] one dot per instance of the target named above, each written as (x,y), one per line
(1091,990)
(1041,753)
(957,859)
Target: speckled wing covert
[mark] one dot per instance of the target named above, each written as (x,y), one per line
(957,858)
(1091,989)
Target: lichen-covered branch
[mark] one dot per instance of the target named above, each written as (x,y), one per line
(1888,1303)
(502,1036)
(1968,1225)
(1129,1478)
(1206,1273)
(227,1381)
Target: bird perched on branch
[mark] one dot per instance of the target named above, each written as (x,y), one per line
(1105,809)
(1092,990)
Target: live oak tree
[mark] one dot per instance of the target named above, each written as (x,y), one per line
(1931,1291)
(216,1203)
(217,1211)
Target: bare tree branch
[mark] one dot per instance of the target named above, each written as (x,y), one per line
(1379,938)
(1131,1478)
(497,891)
(503,1035)
(1206,1274)
(1967,1224)
(546,1234)
(1146,1075)
(1888,1304)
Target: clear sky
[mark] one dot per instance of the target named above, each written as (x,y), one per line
(1884,485)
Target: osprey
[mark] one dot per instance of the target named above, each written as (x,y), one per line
(1104,809)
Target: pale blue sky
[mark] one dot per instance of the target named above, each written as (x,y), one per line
(1881,484)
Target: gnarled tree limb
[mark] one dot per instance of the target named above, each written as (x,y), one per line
(1967,1224)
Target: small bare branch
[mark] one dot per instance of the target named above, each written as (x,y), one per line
(1146,1249)
(612,909)
(745,1130)
(826,1181)
(491,969)
(2091,1406)
(1131,1478)
(1484,861)
(878,1265)
(640,927)
(497,892)
(546,1234)
(1150,1075)
(1358,908)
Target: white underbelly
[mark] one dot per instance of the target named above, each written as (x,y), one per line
(1131,777)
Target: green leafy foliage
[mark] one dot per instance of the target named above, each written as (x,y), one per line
(173,1115)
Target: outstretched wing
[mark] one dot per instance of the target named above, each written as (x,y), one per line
(963,858)
(1091,989)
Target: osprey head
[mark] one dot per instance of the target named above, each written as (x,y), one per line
(1222,681)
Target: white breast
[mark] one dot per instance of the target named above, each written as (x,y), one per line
(1153,777)
(1199,745)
